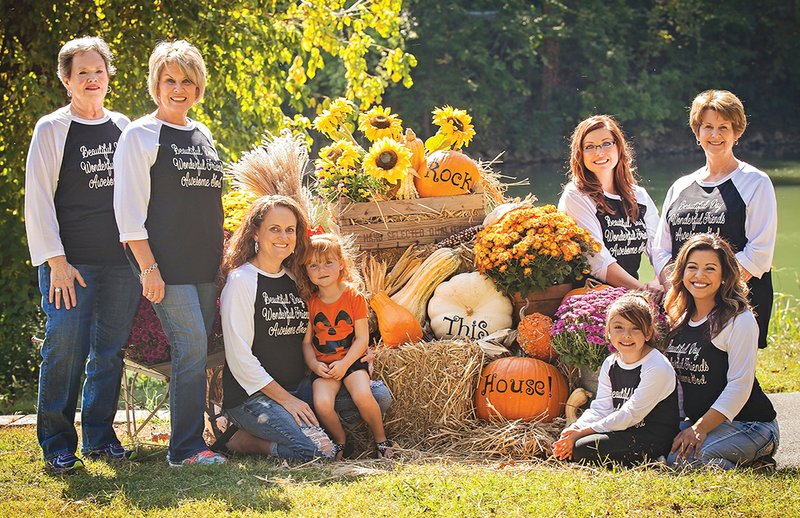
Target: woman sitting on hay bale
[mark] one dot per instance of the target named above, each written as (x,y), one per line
(267,396)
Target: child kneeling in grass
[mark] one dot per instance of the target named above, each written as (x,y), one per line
(635,414)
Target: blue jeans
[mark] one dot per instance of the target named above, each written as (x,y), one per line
(96,329)
(187,314)
(732,444)
(262,417)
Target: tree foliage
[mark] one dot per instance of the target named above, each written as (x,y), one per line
(266,63)
(529,71)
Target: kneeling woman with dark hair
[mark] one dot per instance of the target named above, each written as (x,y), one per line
(729,420)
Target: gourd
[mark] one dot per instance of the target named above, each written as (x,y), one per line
(414,296)
(396,324)
(578,398)
(449,173)
(590,285)
(417,148)
(520,388)
(468,305)
(533,335)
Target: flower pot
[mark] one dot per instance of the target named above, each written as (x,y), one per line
(544,301)
(589,378)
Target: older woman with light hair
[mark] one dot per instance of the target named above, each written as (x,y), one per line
(727,197)
(88,294)
(167,201)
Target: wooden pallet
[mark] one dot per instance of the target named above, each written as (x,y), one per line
(400,223)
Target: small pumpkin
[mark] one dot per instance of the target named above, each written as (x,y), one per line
(533,335)
(590,285)
(520,388)
(396,324)
(468,305)
(449,173)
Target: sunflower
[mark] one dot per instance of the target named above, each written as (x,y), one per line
(455,125)
(387,159)
(341,153)
(380,122)
(330,120)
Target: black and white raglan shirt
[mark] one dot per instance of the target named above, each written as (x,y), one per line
(169,191)
(264,321)
(743,209)
(69,186)
(641,396)
(720,372)
(623,241)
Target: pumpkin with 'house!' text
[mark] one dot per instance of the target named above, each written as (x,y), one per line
(520,388)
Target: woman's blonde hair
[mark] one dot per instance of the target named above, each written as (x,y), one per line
(624,178)
(185,56)
(725,103)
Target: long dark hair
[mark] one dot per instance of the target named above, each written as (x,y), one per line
(588,183)
(241,247)
(731,298)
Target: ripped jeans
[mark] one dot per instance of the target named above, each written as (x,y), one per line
(263,417)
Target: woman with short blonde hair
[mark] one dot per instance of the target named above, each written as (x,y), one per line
(168,204)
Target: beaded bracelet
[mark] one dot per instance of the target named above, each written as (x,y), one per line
(147,270)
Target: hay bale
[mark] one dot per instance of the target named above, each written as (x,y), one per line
(433,386)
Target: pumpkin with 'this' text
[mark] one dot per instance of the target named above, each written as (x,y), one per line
(449,173)
(520,388)
(468,305)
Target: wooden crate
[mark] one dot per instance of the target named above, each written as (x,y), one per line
(399,223)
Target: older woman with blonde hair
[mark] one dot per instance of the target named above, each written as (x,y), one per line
(168,206)
(727,197)
(88,294)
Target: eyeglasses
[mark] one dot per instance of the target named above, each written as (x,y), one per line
(605,146)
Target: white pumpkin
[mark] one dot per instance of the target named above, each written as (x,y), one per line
(470,306)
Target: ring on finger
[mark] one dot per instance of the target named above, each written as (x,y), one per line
(57,290)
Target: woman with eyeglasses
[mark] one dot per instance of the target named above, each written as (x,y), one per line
(726,197)
(603,197)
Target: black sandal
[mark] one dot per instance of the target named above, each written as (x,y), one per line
(221,444)
(383,448)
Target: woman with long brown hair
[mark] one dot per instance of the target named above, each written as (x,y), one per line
(712,346)
(604,197)
(267,395)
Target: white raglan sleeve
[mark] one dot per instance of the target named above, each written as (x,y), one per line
(584,211)
(136,153)
(651,221)
(237,304)
(603,404)
(739,338)
(761,225)
(42,168)
(657,381)
(662,244)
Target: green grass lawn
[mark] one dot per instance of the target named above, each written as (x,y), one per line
(249,487)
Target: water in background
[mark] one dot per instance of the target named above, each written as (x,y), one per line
(657,174)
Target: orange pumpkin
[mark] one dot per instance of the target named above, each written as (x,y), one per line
(396,324)
(590,285)
(533,335)
(520,388)
(449,173)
